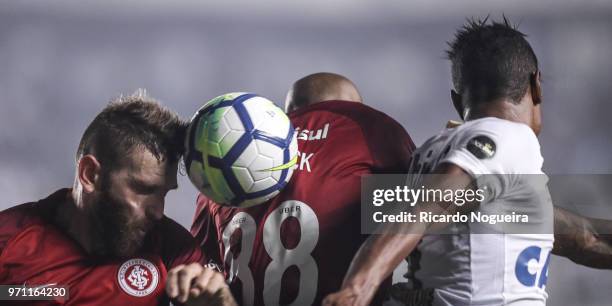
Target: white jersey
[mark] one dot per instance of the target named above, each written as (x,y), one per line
(471,268)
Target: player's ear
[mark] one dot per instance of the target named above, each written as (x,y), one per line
(456,98)
(535,86)
(88,172)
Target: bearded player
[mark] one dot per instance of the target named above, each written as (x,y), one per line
(107,239)
(498,92)
(296,248)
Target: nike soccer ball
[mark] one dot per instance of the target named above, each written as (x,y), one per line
(240,149)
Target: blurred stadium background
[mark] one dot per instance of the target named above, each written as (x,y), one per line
(61,61)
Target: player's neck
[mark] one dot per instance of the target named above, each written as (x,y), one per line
(503,109)
(75,223)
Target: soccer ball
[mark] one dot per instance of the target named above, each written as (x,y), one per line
(240,149)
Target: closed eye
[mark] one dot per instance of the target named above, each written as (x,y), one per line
(145,188)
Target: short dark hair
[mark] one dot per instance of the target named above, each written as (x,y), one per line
(491,60)
(133,122)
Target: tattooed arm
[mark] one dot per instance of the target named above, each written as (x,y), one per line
(585,241)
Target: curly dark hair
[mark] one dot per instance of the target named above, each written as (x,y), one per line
(491,60)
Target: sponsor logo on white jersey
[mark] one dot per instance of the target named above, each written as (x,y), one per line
(138,277)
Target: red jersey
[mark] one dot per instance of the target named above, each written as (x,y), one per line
(296,248)
(35,252)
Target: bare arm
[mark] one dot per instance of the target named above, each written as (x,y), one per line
(381,253)
(585,241)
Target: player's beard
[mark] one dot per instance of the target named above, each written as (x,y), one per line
(119,233)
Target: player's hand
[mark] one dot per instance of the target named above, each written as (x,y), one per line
(195,285)
(350,295)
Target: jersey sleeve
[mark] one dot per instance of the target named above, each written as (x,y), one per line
(390,145)
(179,246)
(12,221)
(204,230)
(496,153)
(496,147)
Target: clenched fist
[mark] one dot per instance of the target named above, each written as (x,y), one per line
(195,285)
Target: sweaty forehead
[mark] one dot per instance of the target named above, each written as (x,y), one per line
(143,165)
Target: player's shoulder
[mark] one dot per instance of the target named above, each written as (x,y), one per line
(498,127)
(206,204)
(24,215)
(493,145)
(177,243)
(452,127)
(20,210)
(20,218)
(496,133)
(20,215)
(203,200)
(382,137)
(360,113)
(172,231)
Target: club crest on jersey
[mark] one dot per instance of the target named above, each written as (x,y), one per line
(138,277)
(481,146)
